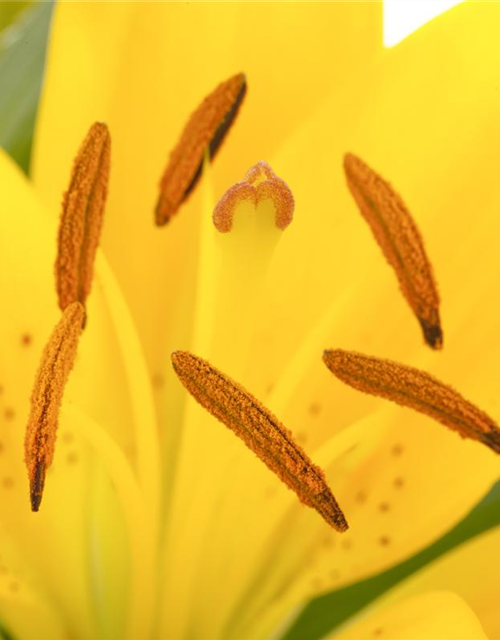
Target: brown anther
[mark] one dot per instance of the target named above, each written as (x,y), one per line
(401,242)
(260,183)
(261,432)
(82,215)
(413,388)
(57,361)
(204,133)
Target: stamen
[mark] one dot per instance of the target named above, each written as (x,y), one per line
(401,242)
(82,216)
(260,183)
(261,432)
(205,131)
(57,361)
(416,389)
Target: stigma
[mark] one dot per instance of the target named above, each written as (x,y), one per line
(260,186)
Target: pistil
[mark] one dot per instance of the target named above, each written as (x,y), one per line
(251,218)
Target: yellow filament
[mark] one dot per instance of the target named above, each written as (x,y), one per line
(309,351)
(189,453)
(141,533)
(139,387)
(361,431)
(204,320)
(108,553)
(148,450)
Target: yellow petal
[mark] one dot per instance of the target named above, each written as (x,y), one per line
(471,571)
(433,616)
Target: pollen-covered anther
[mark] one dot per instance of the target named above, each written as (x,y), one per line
(204,133)
(57,361)
(401,242)
(416,389)
(261,432)
(82,215)
(260,184)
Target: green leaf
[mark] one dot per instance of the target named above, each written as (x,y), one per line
(22,59)
(324,614)
(9,12)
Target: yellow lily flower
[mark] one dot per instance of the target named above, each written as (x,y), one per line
(157,522)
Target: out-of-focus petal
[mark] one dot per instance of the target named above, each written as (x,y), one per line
(433,616)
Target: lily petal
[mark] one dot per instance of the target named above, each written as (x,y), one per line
(471,571)
(435,616)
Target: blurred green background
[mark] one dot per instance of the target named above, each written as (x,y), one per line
(24,29)
(24,32)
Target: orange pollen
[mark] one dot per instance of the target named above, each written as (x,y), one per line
(204,132)
(400,240)
(260,183)
(260,431)
(57,361)
(416,389)
(82,215)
